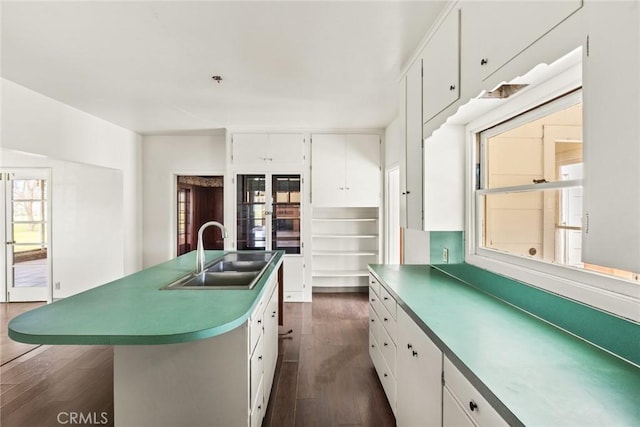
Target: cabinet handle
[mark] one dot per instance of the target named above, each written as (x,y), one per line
(386,320)
(385,375)
(372,320)
(341,188)
(386,344)
(484,61)
(385,298)
(415,353)
(409,346)
(473,405)
(373,346)
(259,407)
(259,321)
(404,193)
(347,188)
(373,300)
(259,357)
(452,87)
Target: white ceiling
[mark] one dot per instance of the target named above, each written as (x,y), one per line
(147,66)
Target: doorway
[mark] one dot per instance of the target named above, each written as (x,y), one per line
(199,199)
(26,233)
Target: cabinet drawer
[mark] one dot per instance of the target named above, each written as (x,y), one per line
(257,369)
(389,302)
(258,408)
(453,414)
(388,349)
(474,405)
(374,323)
(384,373)
(375,301)
(374,285)
(255,328)
(389,324)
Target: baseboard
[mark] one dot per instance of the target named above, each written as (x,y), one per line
(339,289)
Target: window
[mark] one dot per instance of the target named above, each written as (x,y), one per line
(529,187)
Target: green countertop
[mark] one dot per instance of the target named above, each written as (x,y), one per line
(531,371)
(133,310)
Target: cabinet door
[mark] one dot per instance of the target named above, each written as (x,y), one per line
(270,343)
(419,370)
(402,115)
(494,32)
(250,149)
(413,190)
(362,174)
(441,67)
(611,224)
(328,170)
(293,273)
(286,149)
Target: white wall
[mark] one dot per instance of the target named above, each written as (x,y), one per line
(35,124)
(392,144)
(164,157)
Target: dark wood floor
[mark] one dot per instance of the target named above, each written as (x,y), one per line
(324,376)
(10,349)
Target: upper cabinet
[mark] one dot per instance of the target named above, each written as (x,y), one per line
(493,33)
(267,151)
(611,66)
(345,170)
(441,67)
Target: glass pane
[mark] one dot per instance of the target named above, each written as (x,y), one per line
(535,151)
(251,212)
(543,225)
(29,189)
(286,213)
(29,234)
(29,211)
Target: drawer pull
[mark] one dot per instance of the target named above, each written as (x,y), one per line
(373,300)
(372,320)
(385,298)
(386,320)
(385,375)
(473,405)
(415,353)
(259,321)
(409,346)
(386,344)
(259,357)
(484,61)
(373,346)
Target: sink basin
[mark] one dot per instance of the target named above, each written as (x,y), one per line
(237,270)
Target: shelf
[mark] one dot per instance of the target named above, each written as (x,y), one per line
(345,219)
(345,236)
(340,273)
(346,253)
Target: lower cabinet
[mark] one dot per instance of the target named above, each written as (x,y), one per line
(419,387)
(422,386)
(462,404)
(221,381)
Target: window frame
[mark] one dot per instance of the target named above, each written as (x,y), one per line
(611,294)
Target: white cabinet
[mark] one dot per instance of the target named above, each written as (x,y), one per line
(494,32)
(441,67)
(267,151)
(611,64)
(293,278)
(463,404)
(419,370)
(270,345)
(411,186)
(382,338)
(345,170)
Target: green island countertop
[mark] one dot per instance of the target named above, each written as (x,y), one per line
(133,310)
(532,372)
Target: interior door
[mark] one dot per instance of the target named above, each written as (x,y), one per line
(26,227)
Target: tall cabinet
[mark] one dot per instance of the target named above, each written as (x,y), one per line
(346,199)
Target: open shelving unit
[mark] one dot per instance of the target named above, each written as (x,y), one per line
(345,240)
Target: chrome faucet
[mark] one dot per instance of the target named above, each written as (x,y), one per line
(200,248)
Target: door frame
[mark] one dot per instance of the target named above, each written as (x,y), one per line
(5,219)
(392,198)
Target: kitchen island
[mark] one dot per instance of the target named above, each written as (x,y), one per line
(181,357)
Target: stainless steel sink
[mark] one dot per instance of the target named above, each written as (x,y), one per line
(237,270)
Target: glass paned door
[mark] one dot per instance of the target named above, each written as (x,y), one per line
(27,234)
(251,212)
(285,220)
